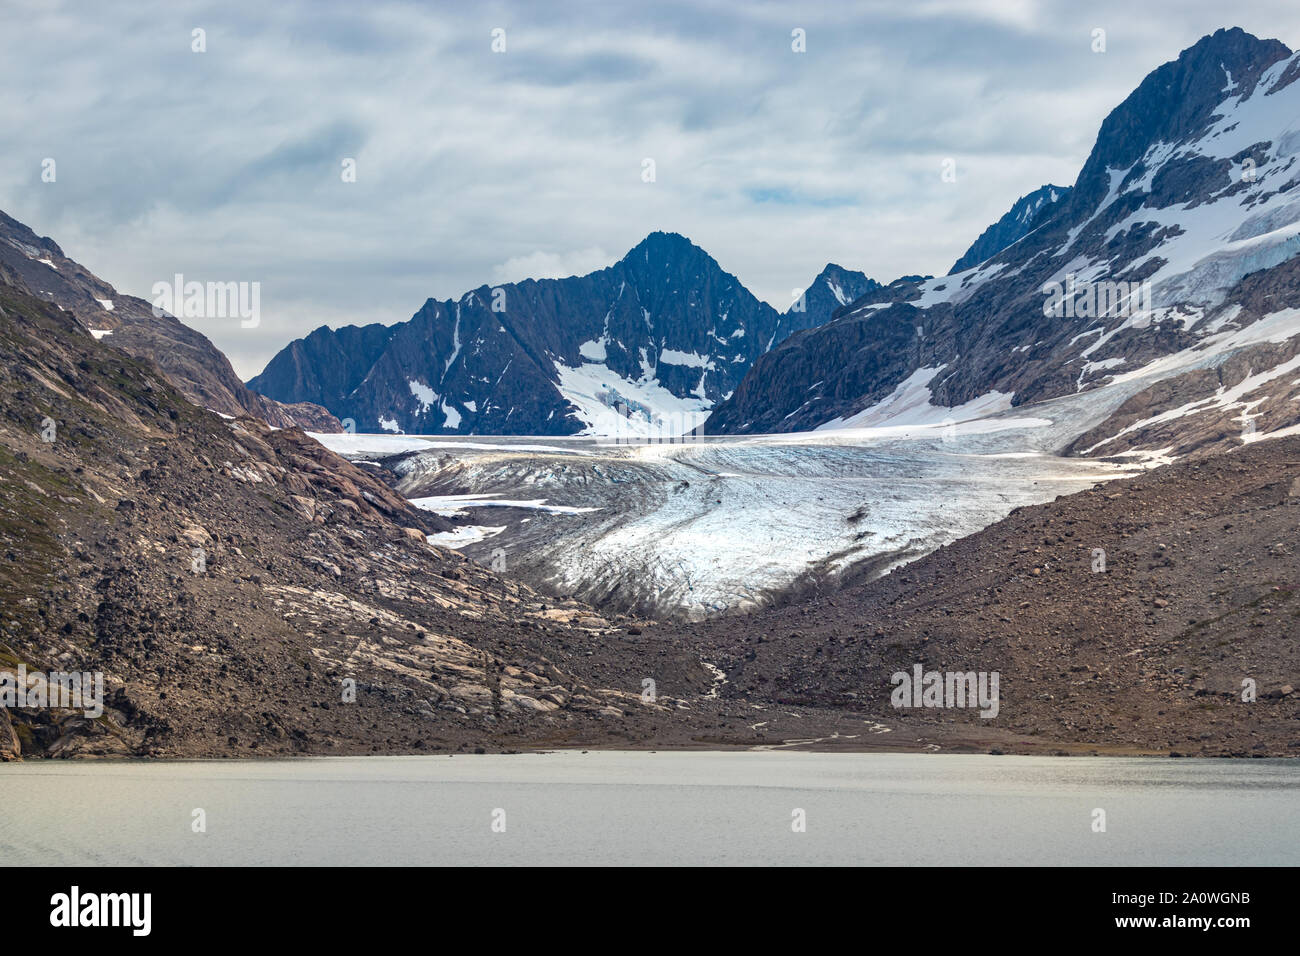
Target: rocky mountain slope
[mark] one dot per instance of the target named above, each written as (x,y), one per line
(1124,618)
(227,578)
(661,336)
(834,288)
(190,362)
(1167,258)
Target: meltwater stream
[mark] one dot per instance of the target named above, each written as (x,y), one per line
(633,808)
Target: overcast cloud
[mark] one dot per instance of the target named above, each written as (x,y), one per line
(478,167)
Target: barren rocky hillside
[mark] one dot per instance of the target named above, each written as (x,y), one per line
(311,572)
(1198,594)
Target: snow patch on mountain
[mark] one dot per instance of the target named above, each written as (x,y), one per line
(455,344)
(452,506)
(464,536)
(597,393)
(689,359)
(1224,398)
(423,394)
(911,403)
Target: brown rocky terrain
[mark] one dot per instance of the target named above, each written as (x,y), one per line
(312,573)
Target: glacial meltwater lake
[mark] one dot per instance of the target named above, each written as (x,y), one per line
(607,807)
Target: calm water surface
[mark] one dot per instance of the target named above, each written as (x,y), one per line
(654,808)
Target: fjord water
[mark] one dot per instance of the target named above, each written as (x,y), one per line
(618,808)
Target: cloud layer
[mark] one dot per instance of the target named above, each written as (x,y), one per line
(477,166)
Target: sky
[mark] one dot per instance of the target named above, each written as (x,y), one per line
(477,165)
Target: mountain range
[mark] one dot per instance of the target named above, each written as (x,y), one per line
(1164,280)
(663,333)
(1182,219)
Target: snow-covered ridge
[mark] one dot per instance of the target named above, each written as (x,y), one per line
(1196,214)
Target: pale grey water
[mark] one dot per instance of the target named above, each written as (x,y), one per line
(655,808)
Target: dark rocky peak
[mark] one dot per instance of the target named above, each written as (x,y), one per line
(1173,105)
(1021,219)
(663,263)
(902,289)
(17,233)
(666,249)
(834,288)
